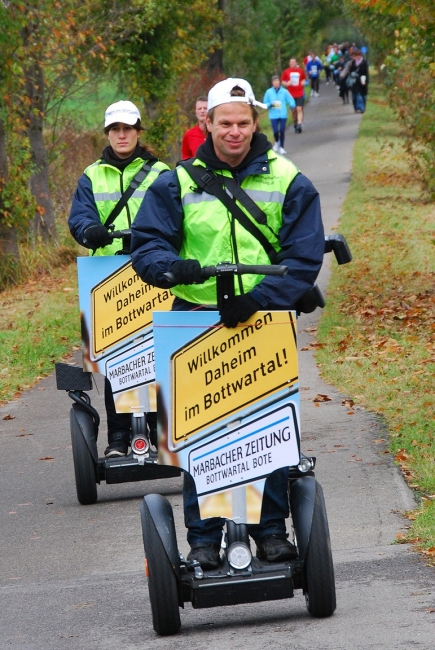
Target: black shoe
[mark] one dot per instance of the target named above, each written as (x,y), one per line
(118,444)
(276,548)
(299,128)
(207,555)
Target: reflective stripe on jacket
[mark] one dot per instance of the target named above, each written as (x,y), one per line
(211,234)
(108,184)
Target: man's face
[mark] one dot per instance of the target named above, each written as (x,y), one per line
(123,139)
(231,130)
(201,112)
(293,63)
(276,83)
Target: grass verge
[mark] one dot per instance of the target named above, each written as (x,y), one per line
(39,325)
(378,329)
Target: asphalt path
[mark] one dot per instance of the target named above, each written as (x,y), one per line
(72,577)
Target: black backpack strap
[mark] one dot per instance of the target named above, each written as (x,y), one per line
(208,182)
(134,184)
(254,210)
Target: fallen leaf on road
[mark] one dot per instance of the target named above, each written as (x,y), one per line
(47,458)
(400,536)
(9,417)
(348,403)
(321,398)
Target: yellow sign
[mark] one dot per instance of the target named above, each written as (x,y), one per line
(122,305)
(225,370)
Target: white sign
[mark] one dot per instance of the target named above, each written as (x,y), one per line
(132,367)
(246,453)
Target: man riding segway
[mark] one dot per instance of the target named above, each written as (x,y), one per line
(236,201)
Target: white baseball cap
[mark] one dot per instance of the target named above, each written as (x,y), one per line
(123,111)
(221,93)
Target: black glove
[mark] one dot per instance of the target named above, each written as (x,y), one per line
(238,310)
(96,236)
(186,272)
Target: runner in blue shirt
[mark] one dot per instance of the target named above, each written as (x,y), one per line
(314,66)
(277,100)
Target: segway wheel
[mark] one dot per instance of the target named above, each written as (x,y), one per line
(162,583)
(319,581)
(84,466)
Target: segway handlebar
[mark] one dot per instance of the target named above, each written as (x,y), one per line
(119,234)
(227,269)
(125,235)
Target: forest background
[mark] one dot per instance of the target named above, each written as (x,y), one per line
(62,63)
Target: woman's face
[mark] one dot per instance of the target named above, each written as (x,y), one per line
(123,139)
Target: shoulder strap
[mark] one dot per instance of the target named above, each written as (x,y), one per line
(135,182)
(208,182)
(244,198)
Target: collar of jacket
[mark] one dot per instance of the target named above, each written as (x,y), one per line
(109,157)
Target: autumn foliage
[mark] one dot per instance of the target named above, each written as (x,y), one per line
(402,37)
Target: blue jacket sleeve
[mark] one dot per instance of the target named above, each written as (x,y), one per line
(157,231)
(266,99)
(302,244)
(84,211)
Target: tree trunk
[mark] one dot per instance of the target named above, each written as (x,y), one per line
(8,235)
(215,62)
(43,223)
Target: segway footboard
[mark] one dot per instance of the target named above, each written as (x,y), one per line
(217,589)
(128,470)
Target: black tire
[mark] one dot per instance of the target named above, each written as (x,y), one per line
(162,583)
(319,581)
(84,466)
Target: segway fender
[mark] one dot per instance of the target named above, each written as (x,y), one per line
(302,496)
(86,427)
(160,514)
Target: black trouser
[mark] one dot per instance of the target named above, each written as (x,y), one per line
(122,421)
(115,421)
(315,84)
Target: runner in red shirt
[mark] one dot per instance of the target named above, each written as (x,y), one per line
(293,78)
(198,134)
